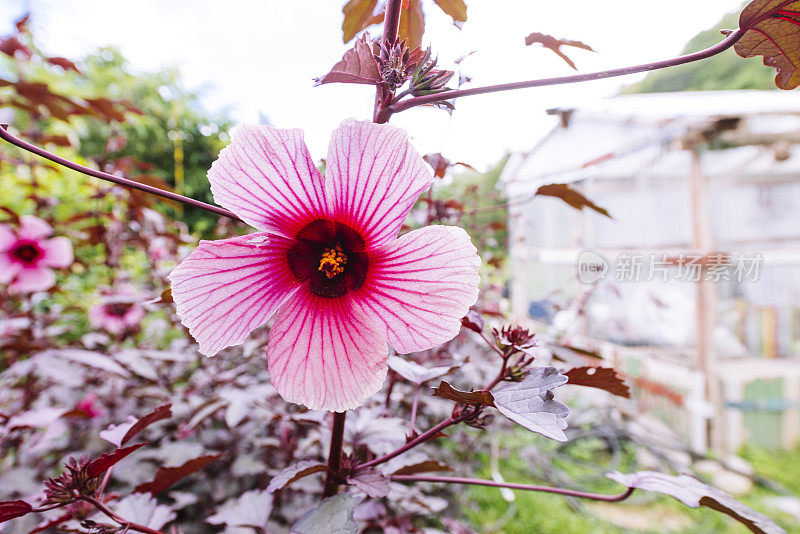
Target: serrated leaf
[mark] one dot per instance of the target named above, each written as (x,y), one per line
(251,509)
(772,30)
(12,509)
(358,65)
(694,493)
(167,476)
(144,510)
(412,23)
(550,42)
(97,467)
(161,412)
(357,14)
(457,9)
(371,482)
(474,398)
(530,403)
(295,472)
(571,197)
(416,373)
(334,515)
(422,467)
(599,377)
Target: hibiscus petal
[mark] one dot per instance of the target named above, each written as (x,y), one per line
(226,289)
(325,353)
(7,238)
(29,280)
(374,177)
(420,286)
(267,177)
(8,268)
(33,228)
(57,252)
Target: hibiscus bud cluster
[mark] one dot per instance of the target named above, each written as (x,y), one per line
(515,337)
(74,481)
(397,62)
(427,80)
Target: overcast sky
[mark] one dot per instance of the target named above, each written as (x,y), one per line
(257,57)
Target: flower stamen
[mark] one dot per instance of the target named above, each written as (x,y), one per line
(333,261)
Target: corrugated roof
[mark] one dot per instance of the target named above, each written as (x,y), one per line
(638,135)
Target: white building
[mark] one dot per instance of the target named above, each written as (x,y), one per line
(700,301)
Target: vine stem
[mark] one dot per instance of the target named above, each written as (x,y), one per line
(723,45)
(422,438)
(335,455)
(527,487)
(127,524)
(124,182)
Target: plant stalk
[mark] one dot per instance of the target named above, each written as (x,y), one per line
(124,182)
(723,45)
(335,455)
(527,487)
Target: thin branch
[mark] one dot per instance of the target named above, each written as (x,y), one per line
(335,454)
(127,524)
(527,487)
(457,93)
(216,210)
(391,21)
(422,438)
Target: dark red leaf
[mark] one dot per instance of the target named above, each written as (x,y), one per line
(357,16)
(475,398)
(473,321)
(162,412)
(167,476)
(457,9)
(548,41)
(772,30)
(358,65)
(600,378)
(422,467)
(570,196)
(12,45)
(12,509)
(100,465)
(64,63)
(22,23)
(412,23)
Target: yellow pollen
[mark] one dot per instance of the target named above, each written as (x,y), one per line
(333,261)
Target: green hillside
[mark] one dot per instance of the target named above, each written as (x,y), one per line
(723,71)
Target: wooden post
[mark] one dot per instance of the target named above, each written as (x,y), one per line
(706,302)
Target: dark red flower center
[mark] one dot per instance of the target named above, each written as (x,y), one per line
(118,309)
(331,256)
(27,252)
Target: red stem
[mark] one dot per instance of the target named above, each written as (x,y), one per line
(391,25)
(6,135)
(528,487)
(422,438)
(680,60)
(335,455)
(127,524)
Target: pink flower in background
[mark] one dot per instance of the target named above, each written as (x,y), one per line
(328,262)
(118,312)
(26,258)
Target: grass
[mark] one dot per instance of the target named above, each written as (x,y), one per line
(585,464)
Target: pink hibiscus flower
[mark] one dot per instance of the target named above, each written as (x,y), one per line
(328,262)
(118,312)
(26,257)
